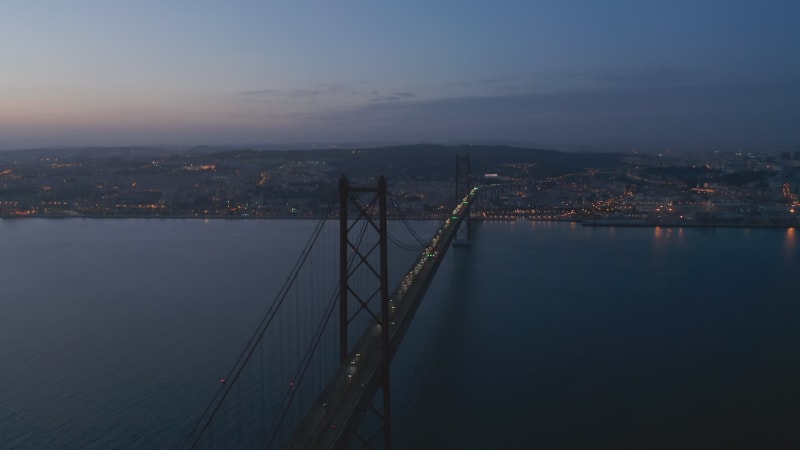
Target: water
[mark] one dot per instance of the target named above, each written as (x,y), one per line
(558,336)
(541,335)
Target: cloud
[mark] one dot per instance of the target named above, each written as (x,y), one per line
(322,91)
(668,106)
(331,94)
(744,115)
(659,75)
(504,80)
(749,114)
(544,81)
(396,97)
(258,92)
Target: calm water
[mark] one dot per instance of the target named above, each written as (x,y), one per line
(541,335)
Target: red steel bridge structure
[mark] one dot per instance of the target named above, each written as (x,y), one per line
(316,373)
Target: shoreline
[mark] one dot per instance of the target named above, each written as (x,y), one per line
(585,223)
(690,225)
(177,216)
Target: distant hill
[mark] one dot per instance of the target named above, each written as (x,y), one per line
(423,161)
(438,161)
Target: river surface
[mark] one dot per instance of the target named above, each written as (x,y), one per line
(540,335)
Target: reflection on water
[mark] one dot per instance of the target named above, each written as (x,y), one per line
(660,233)
(790,242)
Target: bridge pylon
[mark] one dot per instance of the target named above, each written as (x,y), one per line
(463,186)
(357,256)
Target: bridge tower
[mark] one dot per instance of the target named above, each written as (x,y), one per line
(364,256)
(463,186)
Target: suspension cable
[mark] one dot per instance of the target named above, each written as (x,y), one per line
(213,407)
(306,361)
(422,243)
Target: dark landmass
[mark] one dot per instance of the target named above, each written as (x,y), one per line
(735,189)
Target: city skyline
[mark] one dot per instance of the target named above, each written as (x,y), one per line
(586,75)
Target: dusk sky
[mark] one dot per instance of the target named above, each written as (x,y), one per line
(561,74)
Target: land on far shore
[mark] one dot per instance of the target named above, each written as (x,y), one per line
(711,189)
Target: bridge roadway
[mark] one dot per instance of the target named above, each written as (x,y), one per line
(355,383)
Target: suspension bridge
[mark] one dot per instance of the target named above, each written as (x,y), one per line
(316,373)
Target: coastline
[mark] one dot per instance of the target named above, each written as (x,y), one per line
(691,225)
(583,222)
(190,216)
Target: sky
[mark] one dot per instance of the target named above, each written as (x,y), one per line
(563,74)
